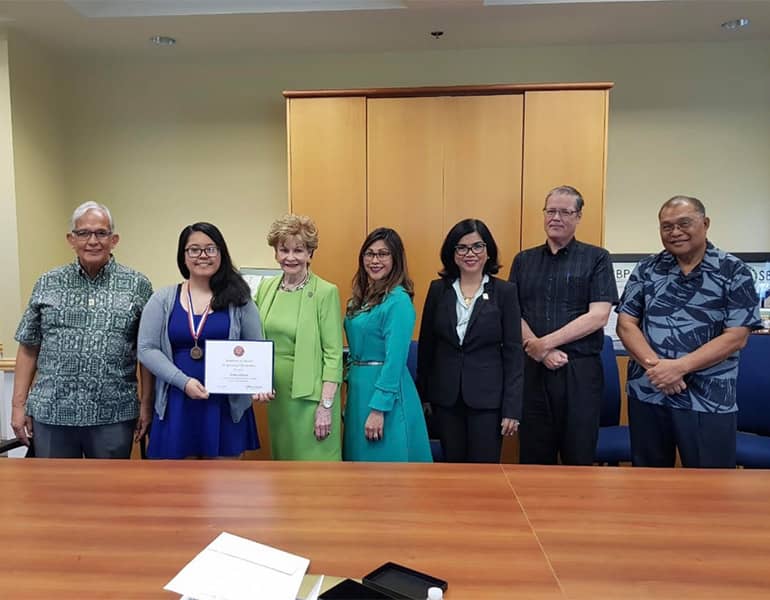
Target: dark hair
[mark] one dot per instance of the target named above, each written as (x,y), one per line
(227,284)
(367,294)
(451,271)
(677,200)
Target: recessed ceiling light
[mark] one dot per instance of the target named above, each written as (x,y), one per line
(735,24)
(162,40)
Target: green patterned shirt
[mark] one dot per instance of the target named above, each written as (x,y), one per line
(86,331)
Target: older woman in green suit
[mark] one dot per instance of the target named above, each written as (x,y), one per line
(301,314)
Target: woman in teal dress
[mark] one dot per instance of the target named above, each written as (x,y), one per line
(383,414)
(301,314)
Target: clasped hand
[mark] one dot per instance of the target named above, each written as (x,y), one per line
(537,350)
(667,375)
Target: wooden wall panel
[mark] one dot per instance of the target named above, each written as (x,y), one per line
(482,167)
(327,179)
(565,135)
(421,162)
(405,181)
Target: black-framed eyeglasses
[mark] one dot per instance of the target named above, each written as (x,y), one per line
(477,248)
(562,212)
(380,254)
(196,251)
(85,234)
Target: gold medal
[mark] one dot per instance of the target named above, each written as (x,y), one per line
(196,352)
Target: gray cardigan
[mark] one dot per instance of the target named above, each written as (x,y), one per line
(155,353)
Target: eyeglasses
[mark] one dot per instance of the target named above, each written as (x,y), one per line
(85,234)
(477,248)
(196,251)
(380,254)
(682,224)
(562,212)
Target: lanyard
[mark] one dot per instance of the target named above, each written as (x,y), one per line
(196,352)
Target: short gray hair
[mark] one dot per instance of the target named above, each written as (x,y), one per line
(89,206)
(567,190)
(677,200)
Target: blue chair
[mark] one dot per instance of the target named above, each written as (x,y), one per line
(614,443)
(435,445)
(753,397)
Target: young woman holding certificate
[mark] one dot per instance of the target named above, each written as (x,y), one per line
(212,303)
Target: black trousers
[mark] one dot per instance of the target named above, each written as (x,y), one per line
(704,440)
(469,434)
(561,412)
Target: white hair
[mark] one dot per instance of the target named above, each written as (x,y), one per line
(89,206)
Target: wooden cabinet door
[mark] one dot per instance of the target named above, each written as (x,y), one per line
(565,139)
(405,180)
(482,167)
(327,180)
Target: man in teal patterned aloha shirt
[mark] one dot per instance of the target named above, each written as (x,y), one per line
(684,315)
(78,335)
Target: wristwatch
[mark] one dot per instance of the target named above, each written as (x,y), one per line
(327,402)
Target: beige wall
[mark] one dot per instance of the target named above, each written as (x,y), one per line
(166,145)
(10,299)
(171,142)
(168,142)
(37,96)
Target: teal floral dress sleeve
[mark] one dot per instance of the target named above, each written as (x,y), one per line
(397,325)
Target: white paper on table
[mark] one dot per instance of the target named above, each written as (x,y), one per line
(239,366)
(234,568)
(311,595)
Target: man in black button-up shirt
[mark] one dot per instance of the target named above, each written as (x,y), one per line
(566,291)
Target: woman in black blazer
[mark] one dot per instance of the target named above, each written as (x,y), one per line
(470,360)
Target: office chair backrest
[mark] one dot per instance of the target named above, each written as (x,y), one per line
(753,387)
(611,394)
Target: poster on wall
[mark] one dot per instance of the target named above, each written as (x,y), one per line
(254,275)
(622,266)
(758,262)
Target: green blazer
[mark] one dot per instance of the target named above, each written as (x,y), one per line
(318,342)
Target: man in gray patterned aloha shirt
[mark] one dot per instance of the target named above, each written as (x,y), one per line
(78,337)
(684,315)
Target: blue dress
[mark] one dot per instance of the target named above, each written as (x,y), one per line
(380,338)
(198,427)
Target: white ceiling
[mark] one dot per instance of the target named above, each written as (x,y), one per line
(116,27)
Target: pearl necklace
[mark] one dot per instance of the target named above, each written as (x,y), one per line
(294,288)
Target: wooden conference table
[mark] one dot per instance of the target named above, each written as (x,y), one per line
(122,529)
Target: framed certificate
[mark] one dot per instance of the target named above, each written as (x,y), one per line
(239,367)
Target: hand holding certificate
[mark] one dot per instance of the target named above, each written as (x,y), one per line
(239,367)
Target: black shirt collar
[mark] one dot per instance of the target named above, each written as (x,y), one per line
(565,250)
